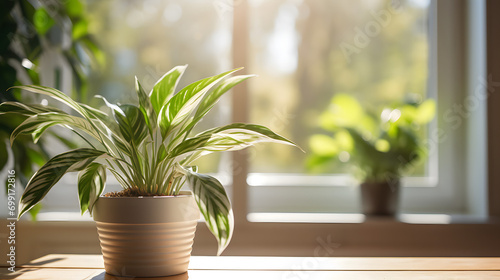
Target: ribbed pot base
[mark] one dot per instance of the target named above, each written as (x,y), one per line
(146,250)
(146,237)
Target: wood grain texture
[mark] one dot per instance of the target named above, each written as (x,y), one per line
(92,274)
(201,263)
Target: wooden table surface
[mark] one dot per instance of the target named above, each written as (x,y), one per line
(91,267)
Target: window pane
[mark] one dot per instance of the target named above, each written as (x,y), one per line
(305,52)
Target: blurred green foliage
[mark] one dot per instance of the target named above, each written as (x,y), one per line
(28,29)
(391,63)
(379,144)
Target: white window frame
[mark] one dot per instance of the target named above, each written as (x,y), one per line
(430,194)
(328,235)
(450,193)
(446,194)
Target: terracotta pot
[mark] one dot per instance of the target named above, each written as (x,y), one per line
(380,198)
(146,236)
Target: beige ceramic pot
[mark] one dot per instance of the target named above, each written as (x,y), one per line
(146,236)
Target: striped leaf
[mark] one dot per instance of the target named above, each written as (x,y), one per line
(26,110)
(189,145)
(146,107)
(213,97)
(164,89)
(110,126)
(231,137)
(216,142)
(37,124)
(131,123)
(47,176)
(91,183)
(214,205)
(56,94)
(121,145)
(95,113)
(251,128)
(185,102)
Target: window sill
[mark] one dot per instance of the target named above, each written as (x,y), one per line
(355,218)
(311,218)
(371,237)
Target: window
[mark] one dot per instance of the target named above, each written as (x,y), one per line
(379,51)
(308,51)
(304,53)
(453,181)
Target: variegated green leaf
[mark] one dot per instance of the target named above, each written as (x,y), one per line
(26,110)
(56,94)
(95,113)
(37,124)
(91,182)
(231,137)
(213,97)
(164,89)
(146,107)
(214,205)
(251,128)
(132,124)
(52,172)
(110,126)
(217,142)
(86,111)
(122,145)
(189,145)
(185,102)
(102,118)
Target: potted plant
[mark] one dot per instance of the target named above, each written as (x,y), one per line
(147,229)
(379,147)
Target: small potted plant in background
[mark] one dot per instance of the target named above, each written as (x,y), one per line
(147,229)
(379,147)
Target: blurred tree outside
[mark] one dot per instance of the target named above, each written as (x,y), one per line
(306,51)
